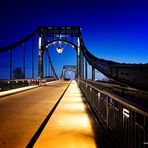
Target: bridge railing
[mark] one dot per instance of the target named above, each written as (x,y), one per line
(17,83)
(127,123)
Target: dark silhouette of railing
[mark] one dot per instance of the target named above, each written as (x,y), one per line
(126,122)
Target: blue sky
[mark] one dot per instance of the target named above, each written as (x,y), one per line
(113,30)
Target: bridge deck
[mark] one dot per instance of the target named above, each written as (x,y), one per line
(22,114)
(72,124)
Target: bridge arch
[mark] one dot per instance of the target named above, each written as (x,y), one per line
(58,42)
(53,42)
(58,34)
(68,68)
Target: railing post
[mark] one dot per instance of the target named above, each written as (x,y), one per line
(107,111)
(64,74)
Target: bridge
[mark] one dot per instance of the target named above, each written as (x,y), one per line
(41,109)
(67,68)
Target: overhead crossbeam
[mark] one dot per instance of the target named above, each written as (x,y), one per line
(67,68)
(60,31)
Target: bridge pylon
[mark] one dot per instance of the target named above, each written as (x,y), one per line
(67,68)
(59,34)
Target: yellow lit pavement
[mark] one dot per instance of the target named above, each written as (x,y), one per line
(71,125)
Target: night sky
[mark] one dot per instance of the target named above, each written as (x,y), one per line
(113,30)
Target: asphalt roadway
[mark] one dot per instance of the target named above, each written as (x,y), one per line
(54,115)
(22,114)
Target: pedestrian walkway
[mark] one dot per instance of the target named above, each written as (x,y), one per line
(72,124)
(13,91)
(17,90)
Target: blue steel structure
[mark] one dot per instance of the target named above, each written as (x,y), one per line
(67,68)
(125,120)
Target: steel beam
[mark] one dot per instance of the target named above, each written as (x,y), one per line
(49,70)
(93,73)
(46,66)
(24,65)
(82,65)
(10,52)
(85,69)
(33,58)
(40,59)
(78,60)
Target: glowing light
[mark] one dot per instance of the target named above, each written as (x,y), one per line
(40,40)
(99,95)
(90,89)
(126,112)
(47,46)
(78,46)
(60,50)
(69,72)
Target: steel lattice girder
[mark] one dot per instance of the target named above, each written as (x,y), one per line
(72,31)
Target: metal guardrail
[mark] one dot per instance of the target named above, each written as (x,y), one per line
(133,94)
(17,83)
(126,122)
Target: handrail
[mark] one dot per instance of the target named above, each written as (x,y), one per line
(125,121)
(133,106)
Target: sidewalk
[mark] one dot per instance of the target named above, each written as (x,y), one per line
(13,91)
(71,124)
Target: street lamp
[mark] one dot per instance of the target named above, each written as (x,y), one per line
(59,49)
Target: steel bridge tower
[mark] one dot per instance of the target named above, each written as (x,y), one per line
(61,34)
(67,68)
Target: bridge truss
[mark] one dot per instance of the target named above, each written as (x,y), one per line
(67,68)
(130,74)
(115,112)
